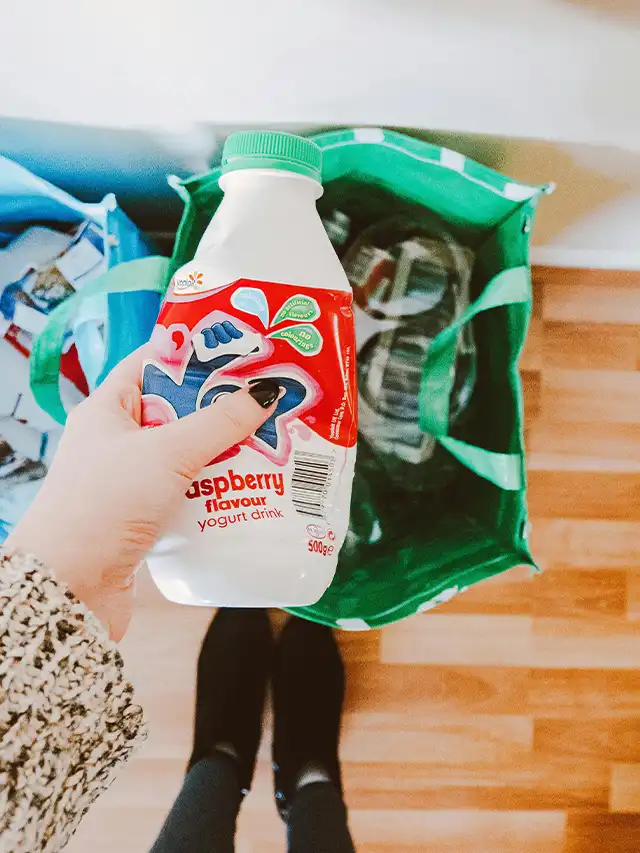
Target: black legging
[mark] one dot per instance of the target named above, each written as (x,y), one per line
(203,817)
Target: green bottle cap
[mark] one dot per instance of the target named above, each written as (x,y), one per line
(269,149)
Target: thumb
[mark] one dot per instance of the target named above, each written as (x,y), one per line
(201,436)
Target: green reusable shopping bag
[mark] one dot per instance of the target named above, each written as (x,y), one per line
(435,545)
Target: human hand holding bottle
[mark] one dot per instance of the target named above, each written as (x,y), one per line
(114,486)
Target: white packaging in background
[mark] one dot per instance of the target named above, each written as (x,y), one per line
(34,247)
(28,438)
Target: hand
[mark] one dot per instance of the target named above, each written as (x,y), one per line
(114,486)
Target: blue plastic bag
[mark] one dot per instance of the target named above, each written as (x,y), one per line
(29,435)
(27,199)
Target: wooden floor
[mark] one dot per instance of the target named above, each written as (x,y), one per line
(508,720)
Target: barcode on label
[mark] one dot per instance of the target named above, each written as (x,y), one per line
(312,474)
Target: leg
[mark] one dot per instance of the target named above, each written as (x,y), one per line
(203,817)
(233,670)
(308,689)
(318,821)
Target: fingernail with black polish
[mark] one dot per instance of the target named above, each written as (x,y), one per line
(265,392)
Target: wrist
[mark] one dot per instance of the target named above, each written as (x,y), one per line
(55,551)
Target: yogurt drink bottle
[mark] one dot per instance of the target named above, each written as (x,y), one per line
(264,297)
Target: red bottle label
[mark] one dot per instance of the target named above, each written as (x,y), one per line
(217,342)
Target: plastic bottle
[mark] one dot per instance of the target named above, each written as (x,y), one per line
(265,296)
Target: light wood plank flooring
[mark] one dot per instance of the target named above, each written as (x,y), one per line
(508,720)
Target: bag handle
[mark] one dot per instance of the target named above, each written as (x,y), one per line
(509,287)
(143,274)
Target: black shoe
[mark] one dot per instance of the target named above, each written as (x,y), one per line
(233,671)
(308,693)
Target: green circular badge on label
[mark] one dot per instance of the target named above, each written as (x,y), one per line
(299,308)
(306,339)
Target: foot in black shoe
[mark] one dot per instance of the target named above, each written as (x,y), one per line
(308,693)
(233,671)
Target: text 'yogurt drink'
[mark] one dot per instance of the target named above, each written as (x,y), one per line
(264,297)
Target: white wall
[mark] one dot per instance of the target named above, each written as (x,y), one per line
(540,89)
(593,217)
(607,237)
(563,70)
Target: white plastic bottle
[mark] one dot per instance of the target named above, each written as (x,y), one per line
(264,297)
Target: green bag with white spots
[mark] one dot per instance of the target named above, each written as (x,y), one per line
(426,545)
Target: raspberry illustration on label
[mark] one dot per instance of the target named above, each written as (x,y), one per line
(212,348)
(217,348)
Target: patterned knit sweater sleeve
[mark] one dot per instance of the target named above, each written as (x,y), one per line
(67,716)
